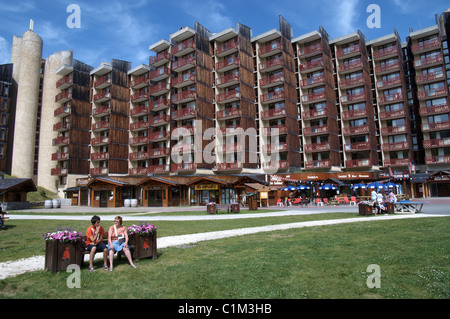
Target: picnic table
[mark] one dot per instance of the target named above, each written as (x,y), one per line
(406,206)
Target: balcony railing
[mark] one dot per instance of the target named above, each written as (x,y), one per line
(443,108)
(387,67)
(60,171)
(184,96)
(281,129)
(99,171)
(307,98)
(351,82)
(229,96)
(228,113)
(60,156)
(138,171)
(349,50)
(158,89)
(318,79)
(103,81)
(354,98)
(381,53)
(425,45)
(355,114)
(272,97)
(438,58)
(183,47)
(62,111)
(100,140)
(273,113)
(231,129)
(141,81)
(139,110)
(270,48)
(63,97)
(317,147)
(183,148)
(182,130)
(226,80)
(275,147)
(432,93)
(100,126)
(232,166)
(397,162)
(388,83)
(99,156)
(159,104)
(439,159)
(177,167)
(61,126)
(395,146)
(158,136)
(101,110)
(358,163)
(183,64)
(436,126)
(183,80)
(155,169)
(430,77)
(64,82)
(229,148)
(402,128)
(313,130)
(383,99)
(361,129)
(137,156)
(227,64)
(311,65)
(318,113)
(282,164)
(350,66)
(227,48)
(140,125)
(359,146)
(312,48)
(158,152)
(139,140)
(183,113)
(326,163)
(392,114)
(61,140)
(159,74)
(159,120)
(271,80)
(270,65)
(103,96)
(438,142)
(160,59)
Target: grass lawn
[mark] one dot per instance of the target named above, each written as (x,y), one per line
(315,262)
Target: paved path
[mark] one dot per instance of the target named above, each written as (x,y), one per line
(14,268)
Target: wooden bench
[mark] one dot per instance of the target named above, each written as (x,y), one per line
(405,206)
(84,250)
(222,207)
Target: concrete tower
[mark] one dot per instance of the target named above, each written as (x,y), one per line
(46,135)
(28,80)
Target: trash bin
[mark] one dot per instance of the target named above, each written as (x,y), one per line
(235,208)
(211,208)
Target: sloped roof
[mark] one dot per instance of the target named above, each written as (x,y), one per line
(19,184)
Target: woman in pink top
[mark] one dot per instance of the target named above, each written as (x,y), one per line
(118,241)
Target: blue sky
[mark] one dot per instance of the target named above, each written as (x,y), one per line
(124,29)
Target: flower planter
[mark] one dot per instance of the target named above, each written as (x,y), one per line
(235,208)
(389,208)
(365,209)
(211,208)
(59,255)
(144,246)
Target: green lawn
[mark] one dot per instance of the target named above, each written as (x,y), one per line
(315,262)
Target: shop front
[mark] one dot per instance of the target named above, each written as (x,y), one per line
(204,190)
(159,192)
(107,192)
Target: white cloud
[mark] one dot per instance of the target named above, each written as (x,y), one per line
(346,16)
(209,13)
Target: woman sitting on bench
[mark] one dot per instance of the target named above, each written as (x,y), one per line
(118,241)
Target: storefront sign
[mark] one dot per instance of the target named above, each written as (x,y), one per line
(206,187)
(264,195)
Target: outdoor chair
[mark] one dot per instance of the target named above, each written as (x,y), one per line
(353,201)
(297,201)
(319,202)
(279,202)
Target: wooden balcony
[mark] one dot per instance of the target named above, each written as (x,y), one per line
(63,97)
(139,110)
(366,162)
(385,84)
(60,156)
(275,147)
(101,110)
(158,169)
(99,171)
(138,171)
(139,126)
(103,96)
(61,126)
(227,64)
(313,81)
(316,147)
(160,59)
(310,49)
(140,81)
(103,81)
(158,136)
(158,105)
(184,80)
(64,82)
(228,97)
(395,146)
(426,127)
(432,93)
(282,164)
(271,65)
(350,51)
(356,147)
(326,163)
(351,66)
(391,130)
(352,82)
(100,141)
(397,162)
(183,48)
(426,45)
(183,64)
(385,53)
(439,159)
(227,80)
(183,167)
(272,97)
(185,96)
(159,74)
(232,166)
(388,67)
(311,66)
(271,114)
(100,126)
(270,49)
(429,62)
(158,152)
(430,77)
(182,114)
(392,114)
(391,98)
(314,97)
(58,171)
(157,90)
(61,141)
(226,48)
(159,120)
(138,156)
(138,140)
(354,114)
(230,113)
(435,109)
(356,130)
(99,156)
(271,81)
(354,98)
(436,143)
(316,130)
(280,129)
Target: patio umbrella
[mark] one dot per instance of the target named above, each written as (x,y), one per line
(391,185)
(289,188)
(302,187)
(359,185)
(328,186)
(376,185)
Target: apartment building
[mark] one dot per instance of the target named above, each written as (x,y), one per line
(231,103)
(6,94)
